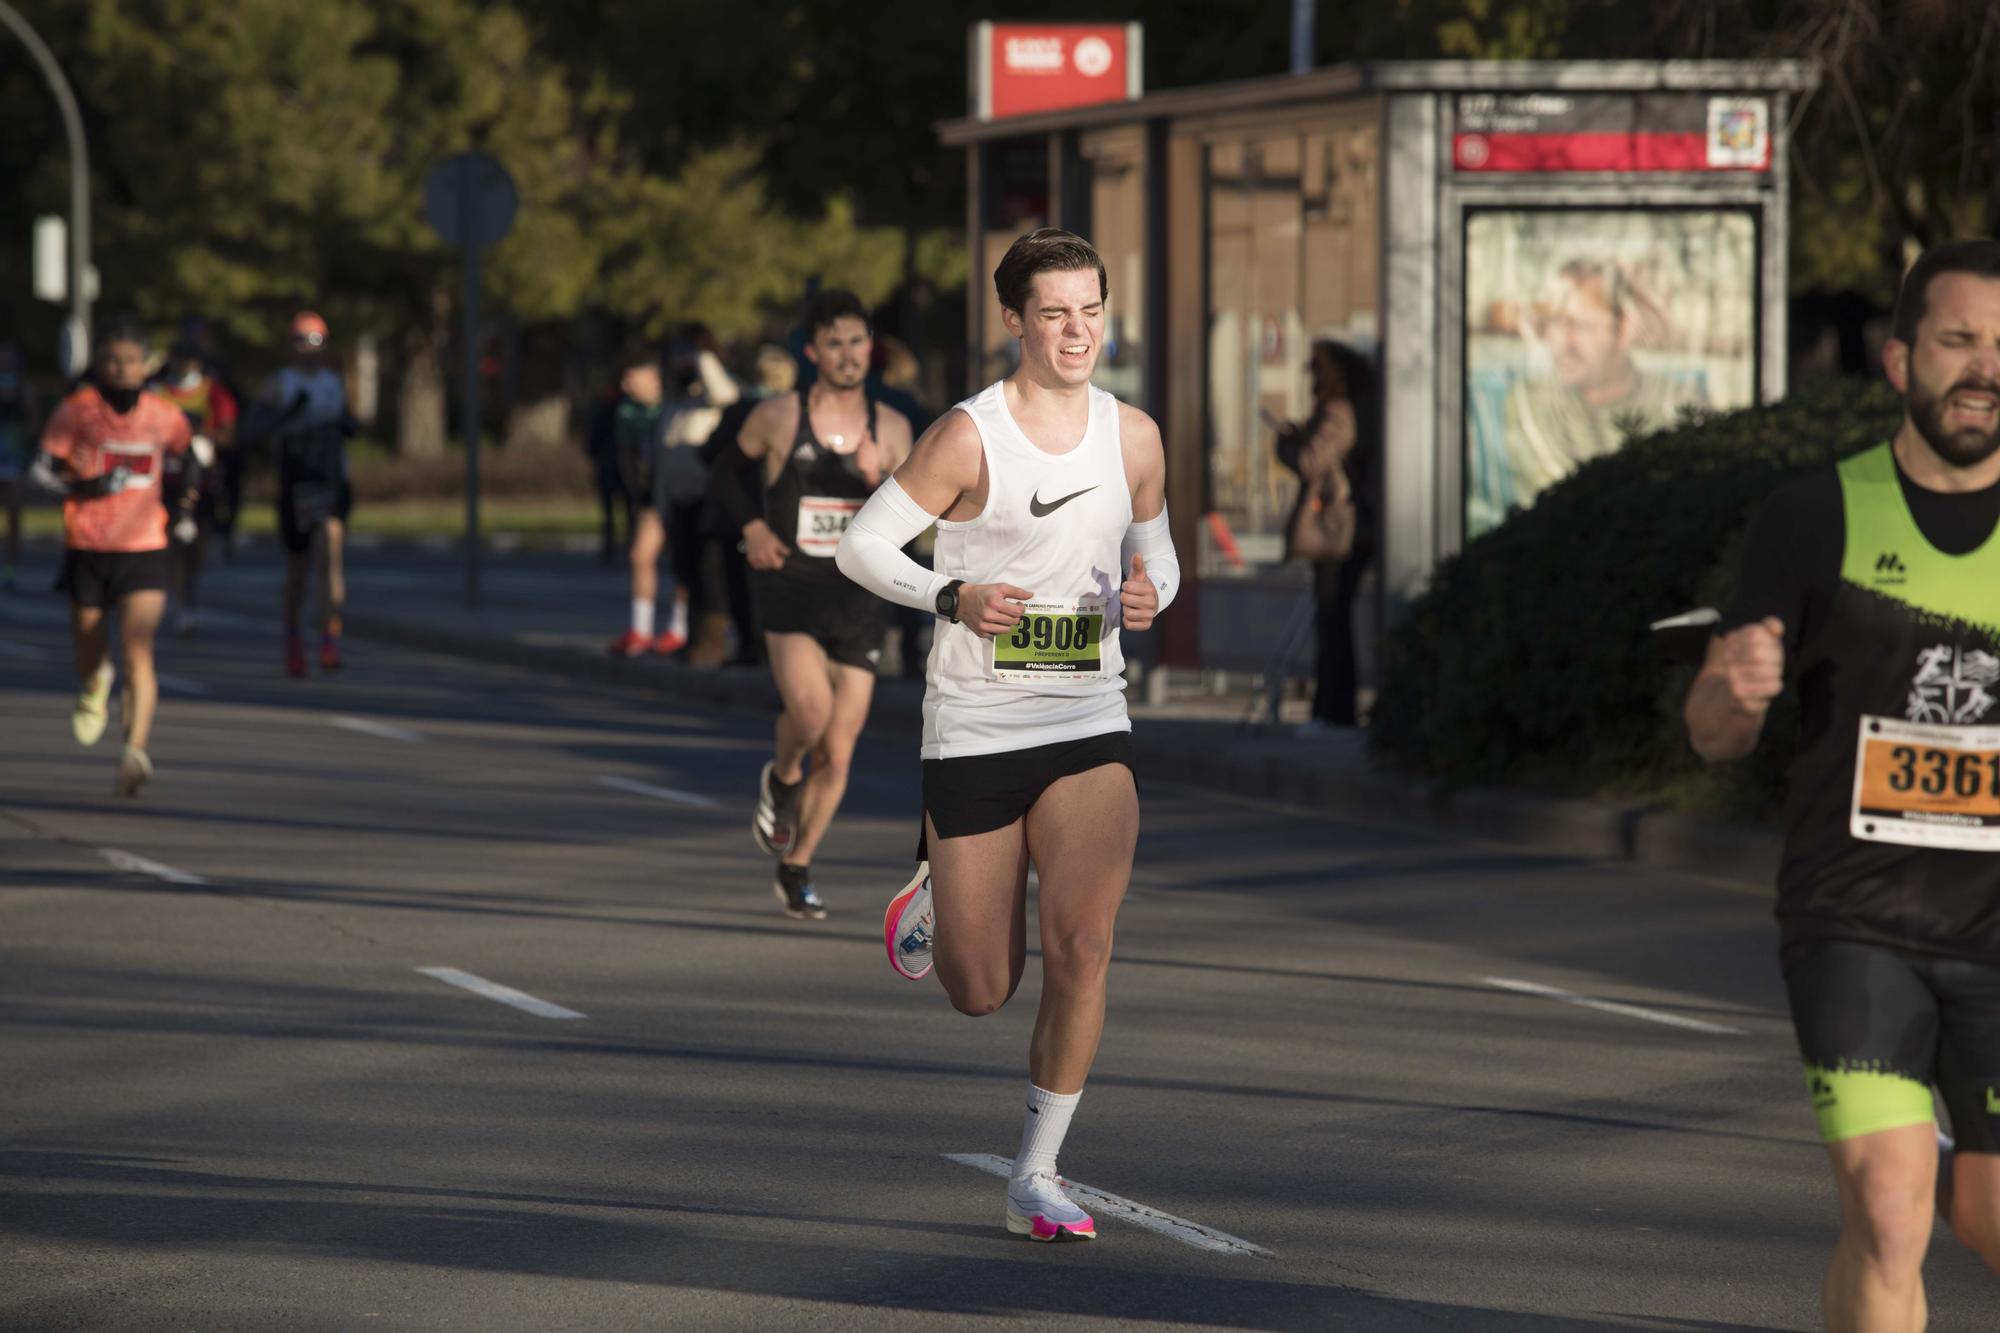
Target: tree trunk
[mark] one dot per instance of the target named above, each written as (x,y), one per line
(538,413)
(420,406)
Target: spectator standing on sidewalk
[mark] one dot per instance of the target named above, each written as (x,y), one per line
(1334,522)
(636,420)
(703,391)
(615,503)
(777,374)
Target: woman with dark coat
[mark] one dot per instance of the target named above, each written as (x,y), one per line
(1334,523)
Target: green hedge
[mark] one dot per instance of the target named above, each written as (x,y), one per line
(1529,661)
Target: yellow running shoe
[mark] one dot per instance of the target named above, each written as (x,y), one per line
(93,707)
(134,768)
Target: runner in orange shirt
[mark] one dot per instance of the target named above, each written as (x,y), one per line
(106,449)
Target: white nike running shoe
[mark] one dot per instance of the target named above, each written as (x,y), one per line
(1038,1209)
(908,925)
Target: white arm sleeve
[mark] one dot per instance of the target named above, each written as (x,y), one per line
(871,552)
(1152,540)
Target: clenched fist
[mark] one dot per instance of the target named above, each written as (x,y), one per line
(1753,662)
(1138,599)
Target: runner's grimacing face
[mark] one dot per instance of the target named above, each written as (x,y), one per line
(122,365)
(841,351)
(1952,382)
(1062,329)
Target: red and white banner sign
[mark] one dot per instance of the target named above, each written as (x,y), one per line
(1021,68)
(1610,132)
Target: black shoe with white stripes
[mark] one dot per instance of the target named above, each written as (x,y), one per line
(776,824)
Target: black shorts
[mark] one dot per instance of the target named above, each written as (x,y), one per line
(845,619)
(1878,1027)
(102,578)
(306,502)
(983,792)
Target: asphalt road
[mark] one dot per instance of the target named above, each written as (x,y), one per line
(232,1099)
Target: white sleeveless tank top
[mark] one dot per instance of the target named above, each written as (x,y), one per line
(1053,524)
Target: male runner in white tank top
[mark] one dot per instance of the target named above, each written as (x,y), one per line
(1050,502)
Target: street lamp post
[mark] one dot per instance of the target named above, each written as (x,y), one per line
(79,186)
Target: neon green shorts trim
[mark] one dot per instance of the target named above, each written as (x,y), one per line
(1853,1102)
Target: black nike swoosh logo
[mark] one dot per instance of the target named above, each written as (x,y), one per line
(1040,510)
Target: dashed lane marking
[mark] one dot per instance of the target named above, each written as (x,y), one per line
(493,990)
(1126,1210)
(695,799)
(1611,1006)
(387,731)
(140,865)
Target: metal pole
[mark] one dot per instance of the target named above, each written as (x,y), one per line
(1302,36)
(79,185)
(471,304)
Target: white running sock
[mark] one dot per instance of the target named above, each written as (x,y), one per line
(642,617)
(677,618)
(1043,1129)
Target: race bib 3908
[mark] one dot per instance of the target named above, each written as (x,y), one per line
(1056,640)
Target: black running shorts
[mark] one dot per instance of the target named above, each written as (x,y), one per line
(103,578)
(305,502)
(845,619)
(983,792)
(1878,1027)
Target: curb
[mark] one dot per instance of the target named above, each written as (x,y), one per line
(1210,755)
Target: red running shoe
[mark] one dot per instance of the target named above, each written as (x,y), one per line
(629,644)
(669,643)
(329,652)
(295,655)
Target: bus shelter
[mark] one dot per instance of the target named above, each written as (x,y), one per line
(1537,258)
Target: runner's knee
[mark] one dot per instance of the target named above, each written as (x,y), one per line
(1889,1222)
(978,991)
(1077,958)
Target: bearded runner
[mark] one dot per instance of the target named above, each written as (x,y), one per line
(1873,590)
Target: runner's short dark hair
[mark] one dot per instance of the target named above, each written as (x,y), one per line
(1980,258)
(1046,250)
(833,304)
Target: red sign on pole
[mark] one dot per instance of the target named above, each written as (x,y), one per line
(1022,68)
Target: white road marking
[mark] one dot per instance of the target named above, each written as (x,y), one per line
(660,793)
(1125,1210)
(180,684)
(139,865)
(493,990)
(1611,1006)
(385,730)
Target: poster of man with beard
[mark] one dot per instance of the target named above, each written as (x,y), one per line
(1586,328)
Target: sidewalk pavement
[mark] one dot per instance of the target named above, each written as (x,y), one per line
(555,612)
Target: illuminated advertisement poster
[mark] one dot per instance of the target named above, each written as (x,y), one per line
(1586,327)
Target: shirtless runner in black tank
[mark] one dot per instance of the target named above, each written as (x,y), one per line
(823,452)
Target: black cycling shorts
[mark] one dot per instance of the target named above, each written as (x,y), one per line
(1878,1027)
(982,792)
(844,618)
(102,578)
(305,502)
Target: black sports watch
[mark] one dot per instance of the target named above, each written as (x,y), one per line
(947,600)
